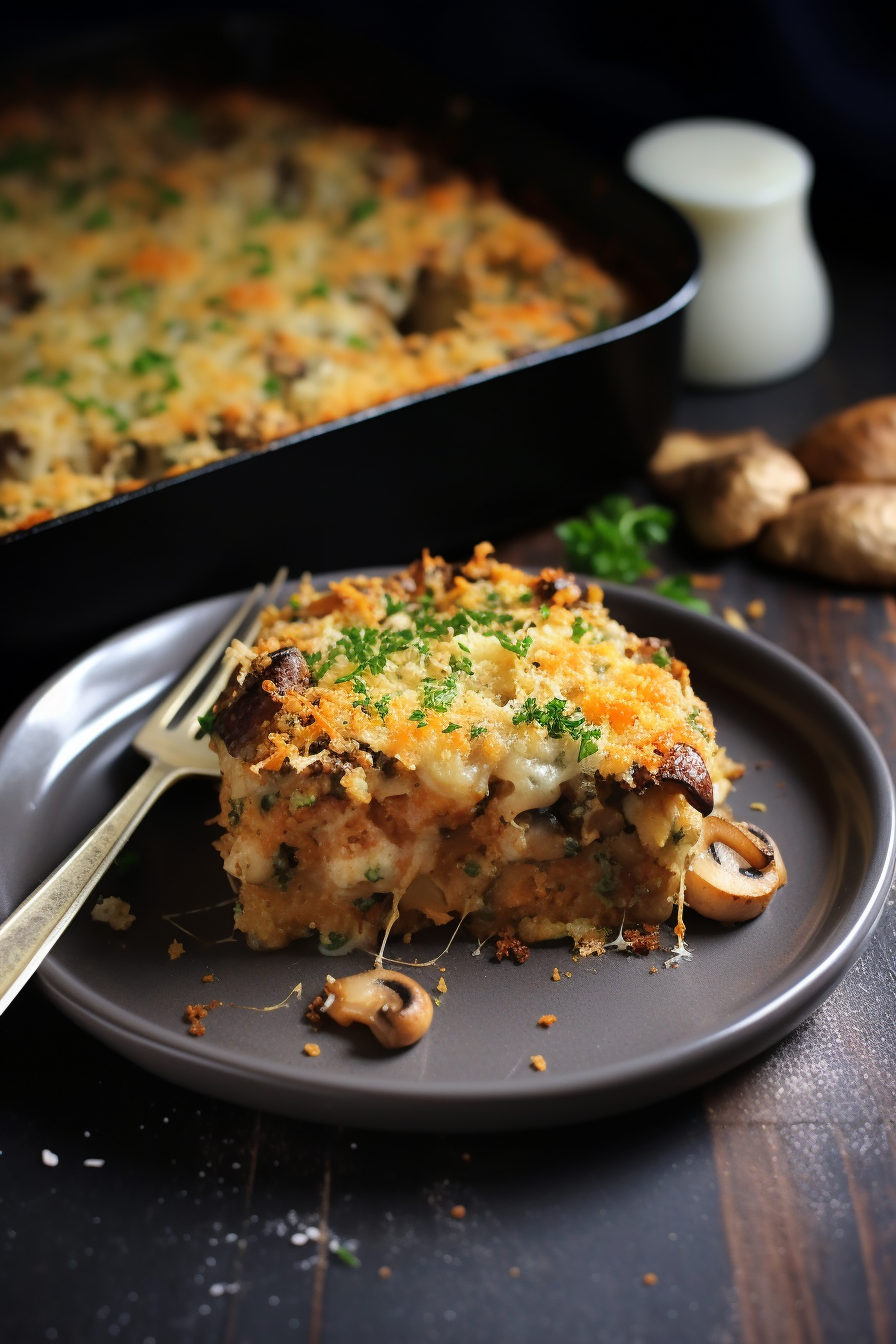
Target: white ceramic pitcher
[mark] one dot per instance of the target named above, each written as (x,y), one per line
(764,307)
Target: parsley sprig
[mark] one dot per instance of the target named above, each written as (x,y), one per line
(611,540)
(557,723)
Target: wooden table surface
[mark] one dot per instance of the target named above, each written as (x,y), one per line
(764,1204)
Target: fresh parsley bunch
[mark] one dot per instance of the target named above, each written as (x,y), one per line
(611,540)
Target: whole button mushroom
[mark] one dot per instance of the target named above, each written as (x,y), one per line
(727,488)
(842,532)
(396,1008)
(858,444)
(735,871)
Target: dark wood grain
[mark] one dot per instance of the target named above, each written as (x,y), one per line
(765,1206)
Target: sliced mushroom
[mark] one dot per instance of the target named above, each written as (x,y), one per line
(241,721)
(735,871)
(685,768)
(396,1008)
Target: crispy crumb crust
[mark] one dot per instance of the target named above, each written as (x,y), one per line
(459,741)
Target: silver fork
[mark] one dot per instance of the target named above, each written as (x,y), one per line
(172,742)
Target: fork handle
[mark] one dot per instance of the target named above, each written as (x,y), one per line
(33,927)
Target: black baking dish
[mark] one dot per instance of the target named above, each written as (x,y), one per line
(498,452)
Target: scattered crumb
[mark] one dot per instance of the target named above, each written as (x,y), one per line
(311,1049)
(546,1020)
(555,974)
(94,1162)
(758,807)
(569,975)
(441,987)
(49,1159)
(510,946)
(756,609)
(331,979)
(514,1271)
(175,950)
(654,970)
(643,940)
(575,959)
(734,618)
(466,1157)
(650,1280)
(114,912)
(709,582)
(207,979)
(591,945)
(443,968)
(195,1012)
(458,1211)
(537,1062)
(314,1007)
(384,1272)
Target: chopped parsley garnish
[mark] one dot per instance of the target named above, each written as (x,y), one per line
(282,860)
(271,385)
(7,209)
(611,540)
(579,628)
(571,846)
(472,868)
(439,695)
(154,361)
(138,296)
(206,723)
(357,342)
(382,706)
(264,264)
(237,909)
(393,606)
(83,404)
(297,800)
(418,717)
(557,723)
(268,800)
(321,290)
(677,587)
(461,665)
(167,195)
(236,810)
(452,728)
(373,874)
(363,209)
(101,342)
(608,873)
(477,730)
(661,658)
(692,720)
(346,1257)
(58,378)
(100,219)
(676,835)
(366,902)
(333,941)
(26,156)
(545,611)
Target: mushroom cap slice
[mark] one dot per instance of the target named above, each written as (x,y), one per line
(734,873)
(396,1008)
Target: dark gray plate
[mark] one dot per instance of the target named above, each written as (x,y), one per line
(623,1036)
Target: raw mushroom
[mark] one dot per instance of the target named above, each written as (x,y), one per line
(396,1008)
(728,494)
(846,533)
(858,444)
(735,872)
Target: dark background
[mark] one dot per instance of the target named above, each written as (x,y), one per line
(600,73)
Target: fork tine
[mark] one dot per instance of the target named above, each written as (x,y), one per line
(203,681)
(206,661)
